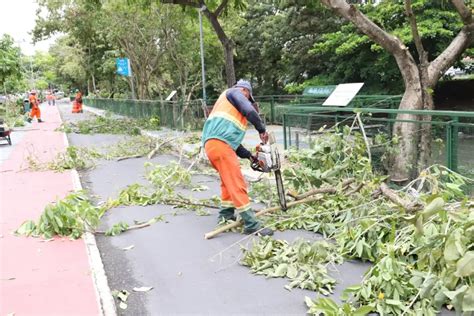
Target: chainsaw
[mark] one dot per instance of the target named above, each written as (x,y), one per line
(268,160)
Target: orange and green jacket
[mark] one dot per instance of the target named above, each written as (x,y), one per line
(228,119)
(33,100)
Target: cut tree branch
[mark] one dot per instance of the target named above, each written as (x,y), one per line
(392,196)
(259,213)
(331,190)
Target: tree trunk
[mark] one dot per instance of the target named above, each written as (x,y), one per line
(405,161)
(229,64)
(93,83)
(419,79)
(227,44)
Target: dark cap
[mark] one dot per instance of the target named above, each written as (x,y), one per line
(245,84)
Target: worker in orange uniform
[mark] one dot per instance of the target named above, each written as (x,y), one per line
(34,105)
(51,98)
(77,105)
(222,135)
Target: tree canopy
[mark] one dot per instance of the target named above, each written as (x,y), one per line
(281,46)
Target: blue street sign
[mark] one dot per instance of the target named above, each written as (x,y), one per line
(123,67)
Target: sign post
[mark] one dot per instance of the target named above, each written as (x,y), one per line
(124,69)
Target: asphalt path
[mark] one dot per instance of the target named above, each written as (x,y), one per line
(189,275)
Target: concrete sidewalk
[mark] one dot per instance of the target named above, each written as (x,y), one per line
(40,277)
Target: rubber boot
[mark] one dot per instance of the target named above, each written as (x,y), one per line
(252,225)
(226,214)
(40,121)
(28,120)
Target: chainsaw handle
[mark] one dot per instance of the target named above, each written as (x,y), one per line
(255,166)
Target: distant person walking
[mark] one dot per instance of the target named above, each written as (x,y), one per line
(77,104)
(34,105)
(51,98)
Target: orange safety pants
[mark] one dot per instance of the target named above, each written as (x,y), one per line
(35,111)
(76,107)
(233,187)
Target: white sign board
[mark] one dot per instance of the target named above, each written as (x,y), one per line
(172,94)
(343,94)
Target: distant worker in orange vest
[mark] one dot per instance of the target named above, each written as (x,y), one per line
(77,104)
(34,105)
(222,136)
(51,98)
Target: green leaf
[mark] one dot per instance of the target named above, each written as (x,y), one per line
(451,252)
(457,296)
(292,272)
(348,290)
(435,206)
(281,270)
(468,300)
(363,310)
(419,224)
(393,302)
(465,266)
(26,229)
(309,302)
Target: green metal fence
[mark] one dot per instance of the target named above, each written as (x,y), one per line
(452,131)
(177,115)
(274,106)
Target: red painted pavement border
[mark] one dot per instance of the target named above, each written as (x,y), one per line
(37,277)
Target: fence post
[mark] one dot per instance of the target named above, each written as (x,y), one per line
(285,145)
(454,143)
(449,145)
(272,110)
(289,135)
(297,140)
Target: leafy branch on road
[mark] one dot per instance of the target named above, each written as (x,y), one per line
(75,214)
(423,256)
(84,158)
(303,263)
(109,125)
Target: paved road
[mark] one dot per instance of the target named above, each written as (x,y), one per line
(173,257)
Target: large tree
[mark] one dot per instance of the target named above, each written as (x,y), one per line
(10,61)
(214,10)
(274,39)
(81,21)
(420,73)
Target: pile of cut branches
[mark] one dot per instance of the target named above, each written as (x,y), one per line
(109,125)
(419,238)
(83,158)
(76,214)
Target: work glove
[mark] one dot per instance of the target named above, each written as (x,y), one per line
(264,137)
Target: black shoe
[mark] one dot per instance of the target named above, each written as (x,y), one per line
(259,232)
(28,120)
(40,121)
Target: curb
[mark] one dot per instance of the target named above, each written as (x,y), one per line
(103,294)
